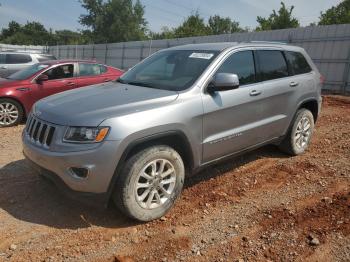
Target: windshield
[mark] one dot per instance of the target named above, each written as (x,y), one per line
(27,72)
(170,70)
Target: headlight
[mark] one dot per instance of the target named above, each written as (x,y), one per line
(85,134)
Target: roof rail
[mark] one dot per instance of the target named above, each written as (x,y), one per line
(269,42)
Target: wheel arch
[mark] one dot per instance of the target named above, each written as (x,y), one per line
(175,139)
(312,105)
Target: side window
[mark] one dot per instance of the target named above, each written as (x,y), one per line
(18,59)
(298,63)
(272,65)
(60,72)
(2,58)
(89,69)
(241,64)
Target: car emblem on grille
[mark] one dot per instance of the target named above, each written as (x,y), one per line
(37,113)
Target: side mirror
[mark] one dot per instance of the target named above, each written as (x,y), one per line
(223,82)
(42,78)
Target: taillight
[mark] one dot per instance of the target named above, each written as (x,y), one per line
(322,79)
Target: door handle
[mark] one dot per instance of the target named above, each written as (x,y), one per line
(70,84)
(293,84)
(4,67)
(255,93)
(107,80)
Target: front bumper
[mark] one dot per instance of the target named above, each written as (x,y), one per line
(92,199)
(100,161)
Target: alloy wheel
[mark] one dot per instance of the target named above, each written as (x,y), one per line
(8,114)
(302,133)
(155,184)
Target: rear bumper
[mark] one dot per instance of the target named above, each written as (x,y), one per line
(91,199)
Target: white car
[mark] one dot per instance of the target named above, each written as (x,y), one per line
(11,62)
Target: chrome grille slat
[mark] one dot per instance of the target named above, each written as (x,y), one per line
(30,124)
(39,132)
(46,134)
(31,131)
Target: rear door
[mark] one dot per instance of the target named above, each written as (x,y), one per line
(91,73)
(277,91)
(61,78)
(15,62)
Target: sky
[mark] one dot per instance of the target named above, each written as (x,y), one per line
(64,14)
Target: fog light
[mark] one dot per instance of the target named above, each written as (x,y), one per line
(79,172)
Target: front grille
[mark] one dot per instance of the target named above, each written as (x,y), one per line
(39,131)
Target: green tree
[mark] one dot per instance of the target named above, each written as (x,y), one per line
(193,26)
(339,14)
(165,33)
(32,33)
(220,25)
(68,37)
(278,20)
(114,20)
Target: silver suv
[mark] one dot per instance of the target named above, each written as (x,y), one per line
(136,140)
(11,62)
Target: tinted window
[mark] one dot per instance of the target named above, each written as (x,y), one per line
(89,69)
(2,58)
(272,65)
(103,69)
(59,72)
(18,59)
(298,63)
(241,64)
(42,58)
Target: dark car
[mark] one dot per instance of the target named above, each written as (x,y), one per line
(19,91)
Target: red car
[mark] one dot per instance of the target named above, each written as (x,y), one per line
(19,91)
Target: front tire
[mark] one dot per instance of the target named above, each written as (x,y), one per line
(298,138)
(149,183)
(11,112)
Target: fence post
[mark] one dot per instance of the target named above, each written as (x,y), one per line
(83,52)
(106,52)
(123,56)
(346,73)
(141,51)
(93,51)
(150,47)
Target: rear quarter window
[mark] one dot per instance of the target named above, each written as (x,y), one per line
(18,59)
(272,65)
(103,69)
(298,63)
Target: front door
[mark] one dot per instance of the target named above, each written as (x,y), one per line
(60,78)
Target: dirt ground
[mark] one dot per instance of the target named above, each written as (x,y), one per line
(262,206)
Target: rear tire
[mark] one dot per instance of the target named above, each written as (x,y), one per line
(149,183)
(299,135)
(11,112)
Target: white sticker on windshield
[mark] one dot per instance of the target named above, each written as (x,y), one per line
(201,55)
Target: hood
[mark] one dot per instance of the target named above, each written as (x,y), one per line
(89,106)
(10,83)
